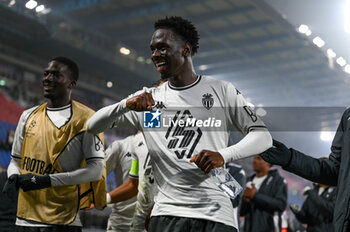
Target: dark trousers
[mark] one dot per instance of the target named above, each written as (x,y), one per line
(48,229)
(182,224)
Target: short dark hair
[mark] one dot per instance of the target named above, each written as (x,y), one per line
(181,27)
(72,66)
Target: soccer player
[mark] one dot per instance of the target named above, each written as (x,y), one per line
(118,160)
(52,156)
(187,133)
(130,160)
(141,169)
(131,156)
(317,209)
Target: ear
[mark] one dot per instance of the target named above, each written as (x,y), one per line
(72,84)
(186,50)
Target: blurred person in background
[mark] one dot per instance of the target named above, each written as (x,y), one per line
(317,209)
(264,199)
(332,171)
(6,144)
(52,156)
(8,206)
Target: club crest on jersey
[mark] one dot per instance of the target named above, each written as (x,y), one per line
(32,124)
(207,100)
(29,129)
(152,119)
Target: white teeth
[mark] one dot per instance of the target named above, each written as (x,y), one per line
(160,64)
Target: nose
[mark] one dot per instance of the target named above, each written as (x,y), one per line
(155,53)
(48,77)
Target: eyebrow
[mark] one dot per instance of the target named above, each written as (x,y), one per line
(159,44)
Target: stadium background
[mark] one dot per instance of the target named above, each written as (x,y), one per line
(260,46)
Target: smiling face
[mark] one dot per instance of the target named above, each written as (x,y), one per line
(57,82)
(167,53)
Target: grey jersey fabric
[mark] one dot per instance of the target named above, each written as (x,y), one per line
(147,188)
(119,161)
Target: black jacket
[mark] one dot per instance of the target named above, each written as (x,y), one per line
(334,171)
(317,210)
(267,205)
(8,207)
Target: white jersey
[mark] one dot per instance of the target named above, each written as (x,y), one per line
(188,120)
(146,187)
(119,161)
(82,146)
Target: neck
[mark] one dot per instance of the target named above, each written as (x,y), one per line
(56,103)
(262,173)
(186,77)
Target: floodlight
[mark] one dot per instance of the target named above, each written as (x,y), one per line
(124,51)
(318,41)
(31,4)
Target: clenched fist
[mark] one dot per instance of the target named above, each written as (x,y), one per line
(208,160)
(140,102)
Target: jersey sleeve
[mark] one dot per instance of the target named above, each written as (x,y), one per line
(243,118)
(92,147)
(94,156)
(116,115)
(134,169)
(240,115)
(113,154)
(19,134)
(16,153)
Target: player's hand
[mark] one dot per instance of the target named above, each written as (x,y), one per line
(249,193)
(295,208)
(279,154)
(30,181)
(140,102)
(208,160)
(10,188)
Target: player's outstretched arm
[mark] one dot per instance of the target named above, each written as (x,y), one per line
(316,170)
(124,192)
(278,155)
(255,142)
(107,116)
(92,171)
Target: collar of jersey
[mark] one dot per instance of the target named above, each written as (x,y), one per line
(187,86)
(59,108)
